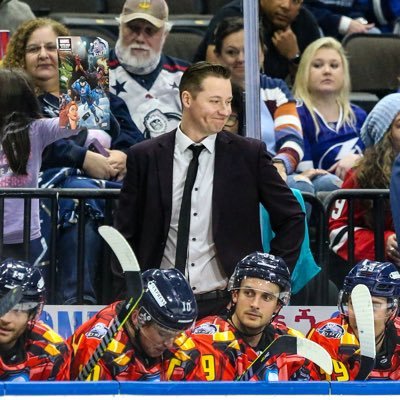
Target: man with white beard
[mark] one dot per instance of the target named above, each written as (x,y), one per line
(144,78)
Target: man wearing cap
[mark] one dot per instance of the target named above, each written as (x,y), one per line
(144,78)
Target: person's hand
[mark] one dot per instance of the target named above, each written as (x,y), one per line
(281,170)
(392,249)
(285,42)
(358,27)
(97,166)
(117,160)
(341,167)
(312,173)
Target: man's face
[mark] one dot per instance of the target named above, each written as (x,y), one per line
(12,326)
(382,313)
(155,339)
(256,302)
(280,13)
(207,112)
(141,42)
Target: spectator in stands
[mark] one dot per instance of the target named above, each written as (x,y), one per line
(280,124)
(235,175)
(339,335)
(381,136)
(68,163)
(33,47)
(140,74)
(339,18)
(167,308)
(259,288)
(23,135)
(13,13)
(235,122)
(29,349)
(331,124)
(395,194)
(289,29)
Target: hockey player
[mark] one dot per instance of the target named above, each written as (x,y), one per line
(29,349)
(167,307)
(339,335)
(222,348)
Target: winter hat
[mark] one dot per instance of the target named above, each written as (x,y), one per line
(379,119)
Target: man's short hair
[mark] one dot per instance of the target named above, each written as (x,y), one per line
(194,76)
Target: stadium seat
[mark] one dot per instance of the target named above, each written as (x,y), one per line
(212,6)
(45,7)
(175,6)
(374,62)
(182,45)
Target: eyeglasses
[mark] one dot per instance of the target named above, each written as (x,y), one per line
(36,49)
(297,2)
(232,120)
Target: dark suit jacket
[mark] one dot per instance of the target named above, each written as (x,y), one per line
(243,177)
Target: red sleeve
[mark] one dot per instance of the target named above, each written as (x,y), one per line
(84,342)
(364,240)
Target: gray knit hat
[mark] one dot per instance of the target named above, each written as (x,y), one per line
(379,119)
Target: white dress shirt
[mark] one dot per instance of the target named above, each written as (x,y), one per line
(203,270)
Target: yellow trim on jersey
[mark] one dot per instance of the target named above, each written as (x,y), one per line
(52,350)
(115,346)
(52,337)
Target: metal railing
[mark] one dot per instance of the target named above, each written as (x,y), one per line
(319,235)
(53,196)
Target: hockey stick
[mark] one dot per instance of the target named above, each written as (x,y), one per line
(364,314)
(130,266)
(10,300)
(289,345)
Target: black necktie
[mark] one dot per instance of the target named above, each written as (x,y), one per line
(184,214)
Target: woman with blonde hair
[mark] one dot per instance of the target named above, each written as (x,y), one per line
(331,124)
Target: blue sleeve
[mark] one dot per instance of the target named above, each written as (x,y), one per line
(327,20)
(129,134)
(395,195)
(63,153)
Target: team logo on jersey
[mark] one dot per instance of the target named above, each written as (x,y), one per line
(271,373)
(98,331)
(205,329)
(331,330)
(156,122)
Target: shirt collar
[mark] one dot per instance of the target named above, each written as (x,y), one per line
(183,141)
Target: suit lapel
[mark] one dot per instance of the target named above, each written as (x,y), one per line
(165,162)
(223,163)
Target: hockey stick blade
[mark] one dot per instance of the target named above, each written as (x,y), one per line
(130,266)
(120,247)
(364,314)
(126,257)
(289,345)
(10,300)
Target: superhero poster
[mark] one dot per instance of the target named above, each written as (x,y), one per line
(84,82)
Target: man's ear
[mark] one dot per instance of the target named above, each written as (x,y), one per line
(235,295)
(186,98)
(134,317)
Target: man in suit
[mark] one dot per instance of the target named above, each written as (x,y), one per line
(235,175)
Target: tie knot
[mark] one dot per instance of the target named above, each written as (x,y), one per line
(196,150)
